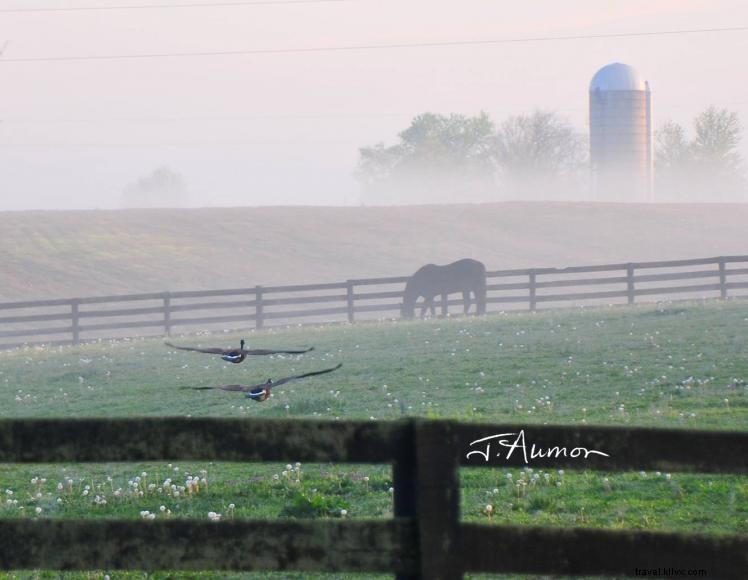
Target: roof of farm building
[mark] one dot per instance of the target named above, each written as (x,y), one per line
(618,77)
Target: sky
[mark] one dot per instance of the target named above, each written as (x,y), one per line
(284,128)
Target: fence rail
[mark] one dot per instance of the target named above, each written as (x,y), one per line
(65,321)
(425,539)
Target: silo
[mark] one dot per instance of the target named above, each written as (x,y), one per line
(620,135)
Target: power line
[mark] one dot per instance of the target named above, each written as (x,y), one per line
(206,119)
(167,6)
(372,46)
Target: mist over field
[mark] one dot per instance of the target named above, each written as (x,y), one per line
(85,253)
(254,104)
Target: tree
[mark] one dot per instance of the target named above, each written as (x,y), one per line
(540,156)
(709,167)
(162,188)
(439,159)
(673,163)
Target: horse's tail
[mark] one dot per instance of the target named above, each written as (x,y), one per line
(480,293)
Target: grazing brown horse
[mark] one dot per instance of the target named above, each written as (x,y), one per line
(464,276)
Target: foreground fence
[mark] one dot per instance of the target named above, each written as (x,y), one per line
(425,539)
(66,321)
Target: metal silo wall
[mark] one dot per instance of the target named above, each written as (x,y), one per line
(621,145)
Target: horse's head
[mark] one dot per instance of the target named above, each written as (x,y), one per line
(407,310)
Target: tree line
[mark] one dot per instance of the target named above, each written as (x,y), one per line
(453,158)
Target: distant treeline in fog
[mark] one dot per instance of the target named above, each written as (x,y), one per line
(459,158)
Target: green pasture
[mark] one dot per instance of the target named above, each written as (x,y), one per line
(673,365)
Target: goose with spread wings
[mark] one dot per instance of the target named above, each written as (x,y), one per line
(237,355)
(261,392)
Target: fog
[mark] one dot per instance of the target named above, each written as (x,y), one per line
(285,128)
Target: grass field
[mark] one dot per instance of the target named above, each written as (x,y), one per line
(58,254)
(666,365)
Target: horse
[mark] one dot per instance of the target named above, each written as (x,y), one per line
(464,276)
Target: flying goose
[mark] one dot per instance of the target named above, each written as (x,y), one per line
(261,392)
(234,355)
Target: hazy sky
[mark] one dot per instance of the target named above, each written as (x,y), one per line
(285,128)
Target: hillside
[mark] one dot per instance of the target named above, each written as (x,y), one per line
(78,253)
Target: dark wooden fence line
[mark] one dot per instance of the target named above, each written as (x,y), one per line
(426,538)
(347,301)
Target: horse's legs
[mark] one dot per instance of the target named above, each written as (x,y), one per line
(428,303)
(444,304)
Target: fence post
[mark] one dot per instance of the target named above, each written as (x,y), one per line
(167,313)
(259,311)
(722,278)
(427,489)
(445,305)
(630,283)
(349,300)
(404,484)
(75,318)
(533,290)
(438,499)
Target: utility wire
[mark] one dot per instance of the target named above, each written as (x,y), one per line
(166,6)
(372,46)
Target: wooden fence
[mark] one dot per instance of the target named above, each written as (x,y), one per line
(426,538)
(66,321)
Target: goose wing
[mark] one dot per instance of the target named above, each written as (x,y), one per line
(234,388)
(205,350)
(269,384)
(265,351)
(272,384)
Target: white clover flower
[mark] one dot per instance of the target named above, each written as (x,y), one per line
(85,492)
(343,512)
(489,509)
(162,508)
(38,510)
(366,478)
(391,490)
(144,513)
(668,476)
(231,506)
